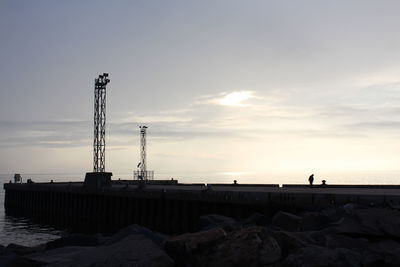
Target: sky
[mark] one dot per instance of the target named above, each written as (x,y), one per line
(256,90)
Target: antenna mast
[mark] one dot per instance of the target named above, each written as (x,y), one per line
(142,173)
(143,168)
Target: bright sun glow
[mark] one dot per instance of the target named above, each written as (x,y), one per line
(235,98)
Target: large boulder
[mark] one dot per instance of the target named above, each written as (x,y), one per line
(342,241)
(380,221)
(291,241)
(316,256)
(75,240)
(257,219)
(313,221)
(183,246)
(7,258)
(210,221)
(351,226)
(251,246)
(286,221)
(135,229)
(23,250)
(53,256)
(382,253)
(133,250)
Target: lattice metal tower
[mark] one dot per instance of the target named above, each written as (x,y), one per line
(143,167)
(99,144)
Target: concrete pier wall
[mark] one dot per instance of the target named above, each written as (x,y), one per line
(167,208)
(109,209)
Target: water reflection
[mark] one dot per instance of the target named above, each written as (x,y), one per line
(23,231)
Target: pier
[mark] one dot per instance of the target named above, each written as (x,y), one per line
(170,207)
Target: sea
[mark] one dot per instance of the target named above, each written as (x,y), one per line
(23,231)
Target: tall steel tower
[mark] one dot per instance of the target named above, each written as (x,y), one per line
(99,144)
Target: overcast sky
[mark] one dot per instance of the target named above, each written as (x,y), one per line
(236,87)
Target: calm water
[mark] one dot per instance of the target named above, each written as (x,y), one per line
(25,232)
(21,230)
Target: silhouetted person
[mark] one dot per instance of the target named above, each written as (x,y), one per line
(311,179)
(323,182)
(234,182)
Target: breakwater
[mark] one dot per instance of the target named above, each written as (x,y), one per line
(171,207)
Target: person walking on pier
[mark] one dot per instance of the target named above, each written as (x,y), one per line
(311,179)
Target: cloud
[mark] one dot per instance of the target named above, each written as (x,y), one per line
(235,99)
(232,99)
(63,133)
(266,114)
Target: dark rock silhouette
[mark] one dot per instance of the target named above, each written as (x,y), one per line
(214,221)
(286,221)
(348,235)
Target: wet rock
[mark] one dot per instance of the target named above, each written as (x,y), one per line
(182,246)
(217,221)
(312,221)
(257,219)
(286,221)
(75,240)
(135,229)
(133,250)
(320,256)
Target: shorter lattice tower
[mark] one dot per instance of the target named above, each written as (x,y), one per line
(143,173)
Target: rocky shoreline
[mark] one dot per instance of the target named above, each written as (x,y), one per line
(349,235)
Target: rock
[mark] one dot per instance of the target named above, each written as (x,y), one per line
(133,250)
(353,227)
(56,255)
(3,250)
(257,219)
(286,221)
(291,241)
(135,229)
(23,250)
(384,251)
(380,221)
(342,241)
(251,246)
(9,260)
(349,208)
(75,240)
(319,237)
(182,246)
(320,256)
(217,221)
(312,221)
